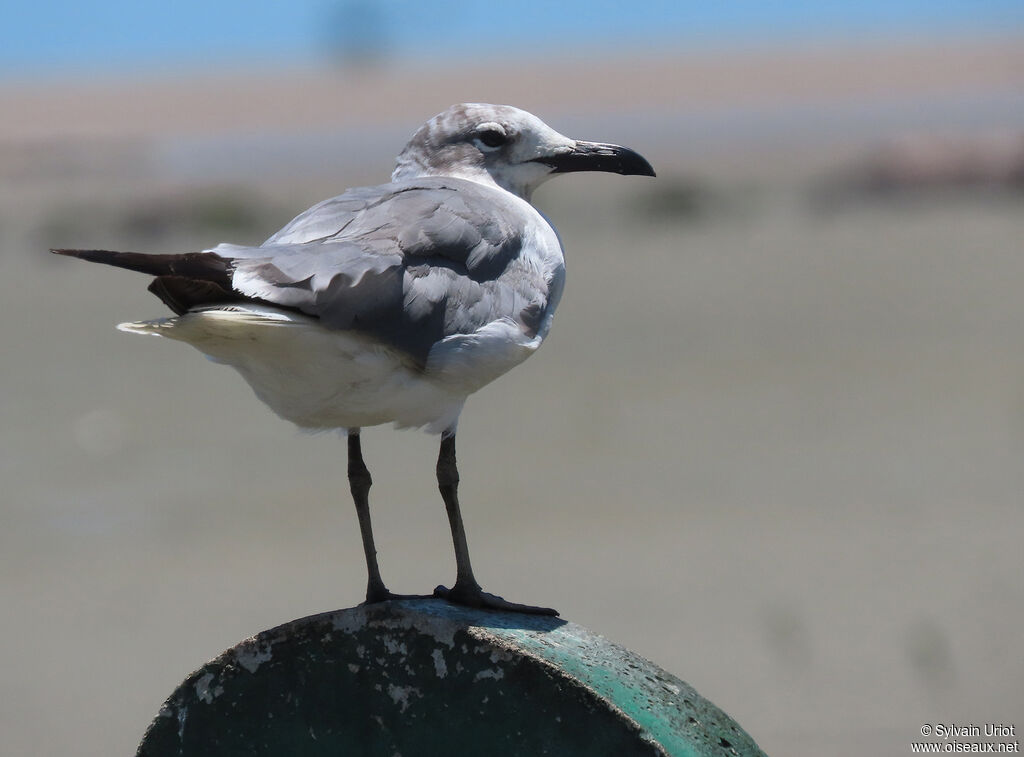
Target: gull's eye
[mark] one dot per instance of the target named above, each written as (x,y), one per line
(490,136)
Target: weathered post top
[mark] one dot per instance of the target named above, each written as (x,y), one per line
(423,677)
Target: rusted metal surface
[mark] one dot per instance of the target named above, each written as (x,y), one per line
(422,677)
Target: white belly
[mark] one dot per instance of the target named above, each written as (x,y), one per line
(323,379)
(314,377)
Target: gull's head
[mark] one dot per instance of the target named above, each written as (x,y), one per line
(508,147)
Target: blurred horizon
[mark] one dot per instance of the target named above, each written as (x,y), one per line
(113,37)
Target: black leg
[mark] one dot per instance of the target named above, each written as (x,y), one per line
(448,483)
(466,590)
(359,482)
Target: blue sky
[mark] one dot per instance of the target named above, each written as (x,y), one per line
(58,36)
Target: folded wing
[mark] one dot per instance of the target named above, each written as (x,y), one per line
(409,264)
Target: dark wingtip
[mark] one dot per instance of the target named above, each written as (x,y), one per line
(99,256)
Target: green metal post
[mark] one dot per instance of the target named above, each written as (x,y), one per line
(423,677)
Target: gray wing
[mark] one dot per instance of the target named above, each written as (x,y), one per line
(408,264)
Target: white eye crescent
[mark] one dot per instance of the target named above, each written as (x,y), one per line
(490,136)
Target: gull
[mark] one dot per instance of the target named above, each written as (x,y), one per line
(392,303)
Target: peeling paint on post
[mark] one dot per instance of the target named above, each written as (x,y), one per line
(423,677)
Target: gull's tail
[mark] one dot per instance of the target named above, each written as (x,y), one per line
(158,327)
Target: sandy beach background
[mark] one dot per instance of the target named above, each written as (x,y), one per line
(774,443)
